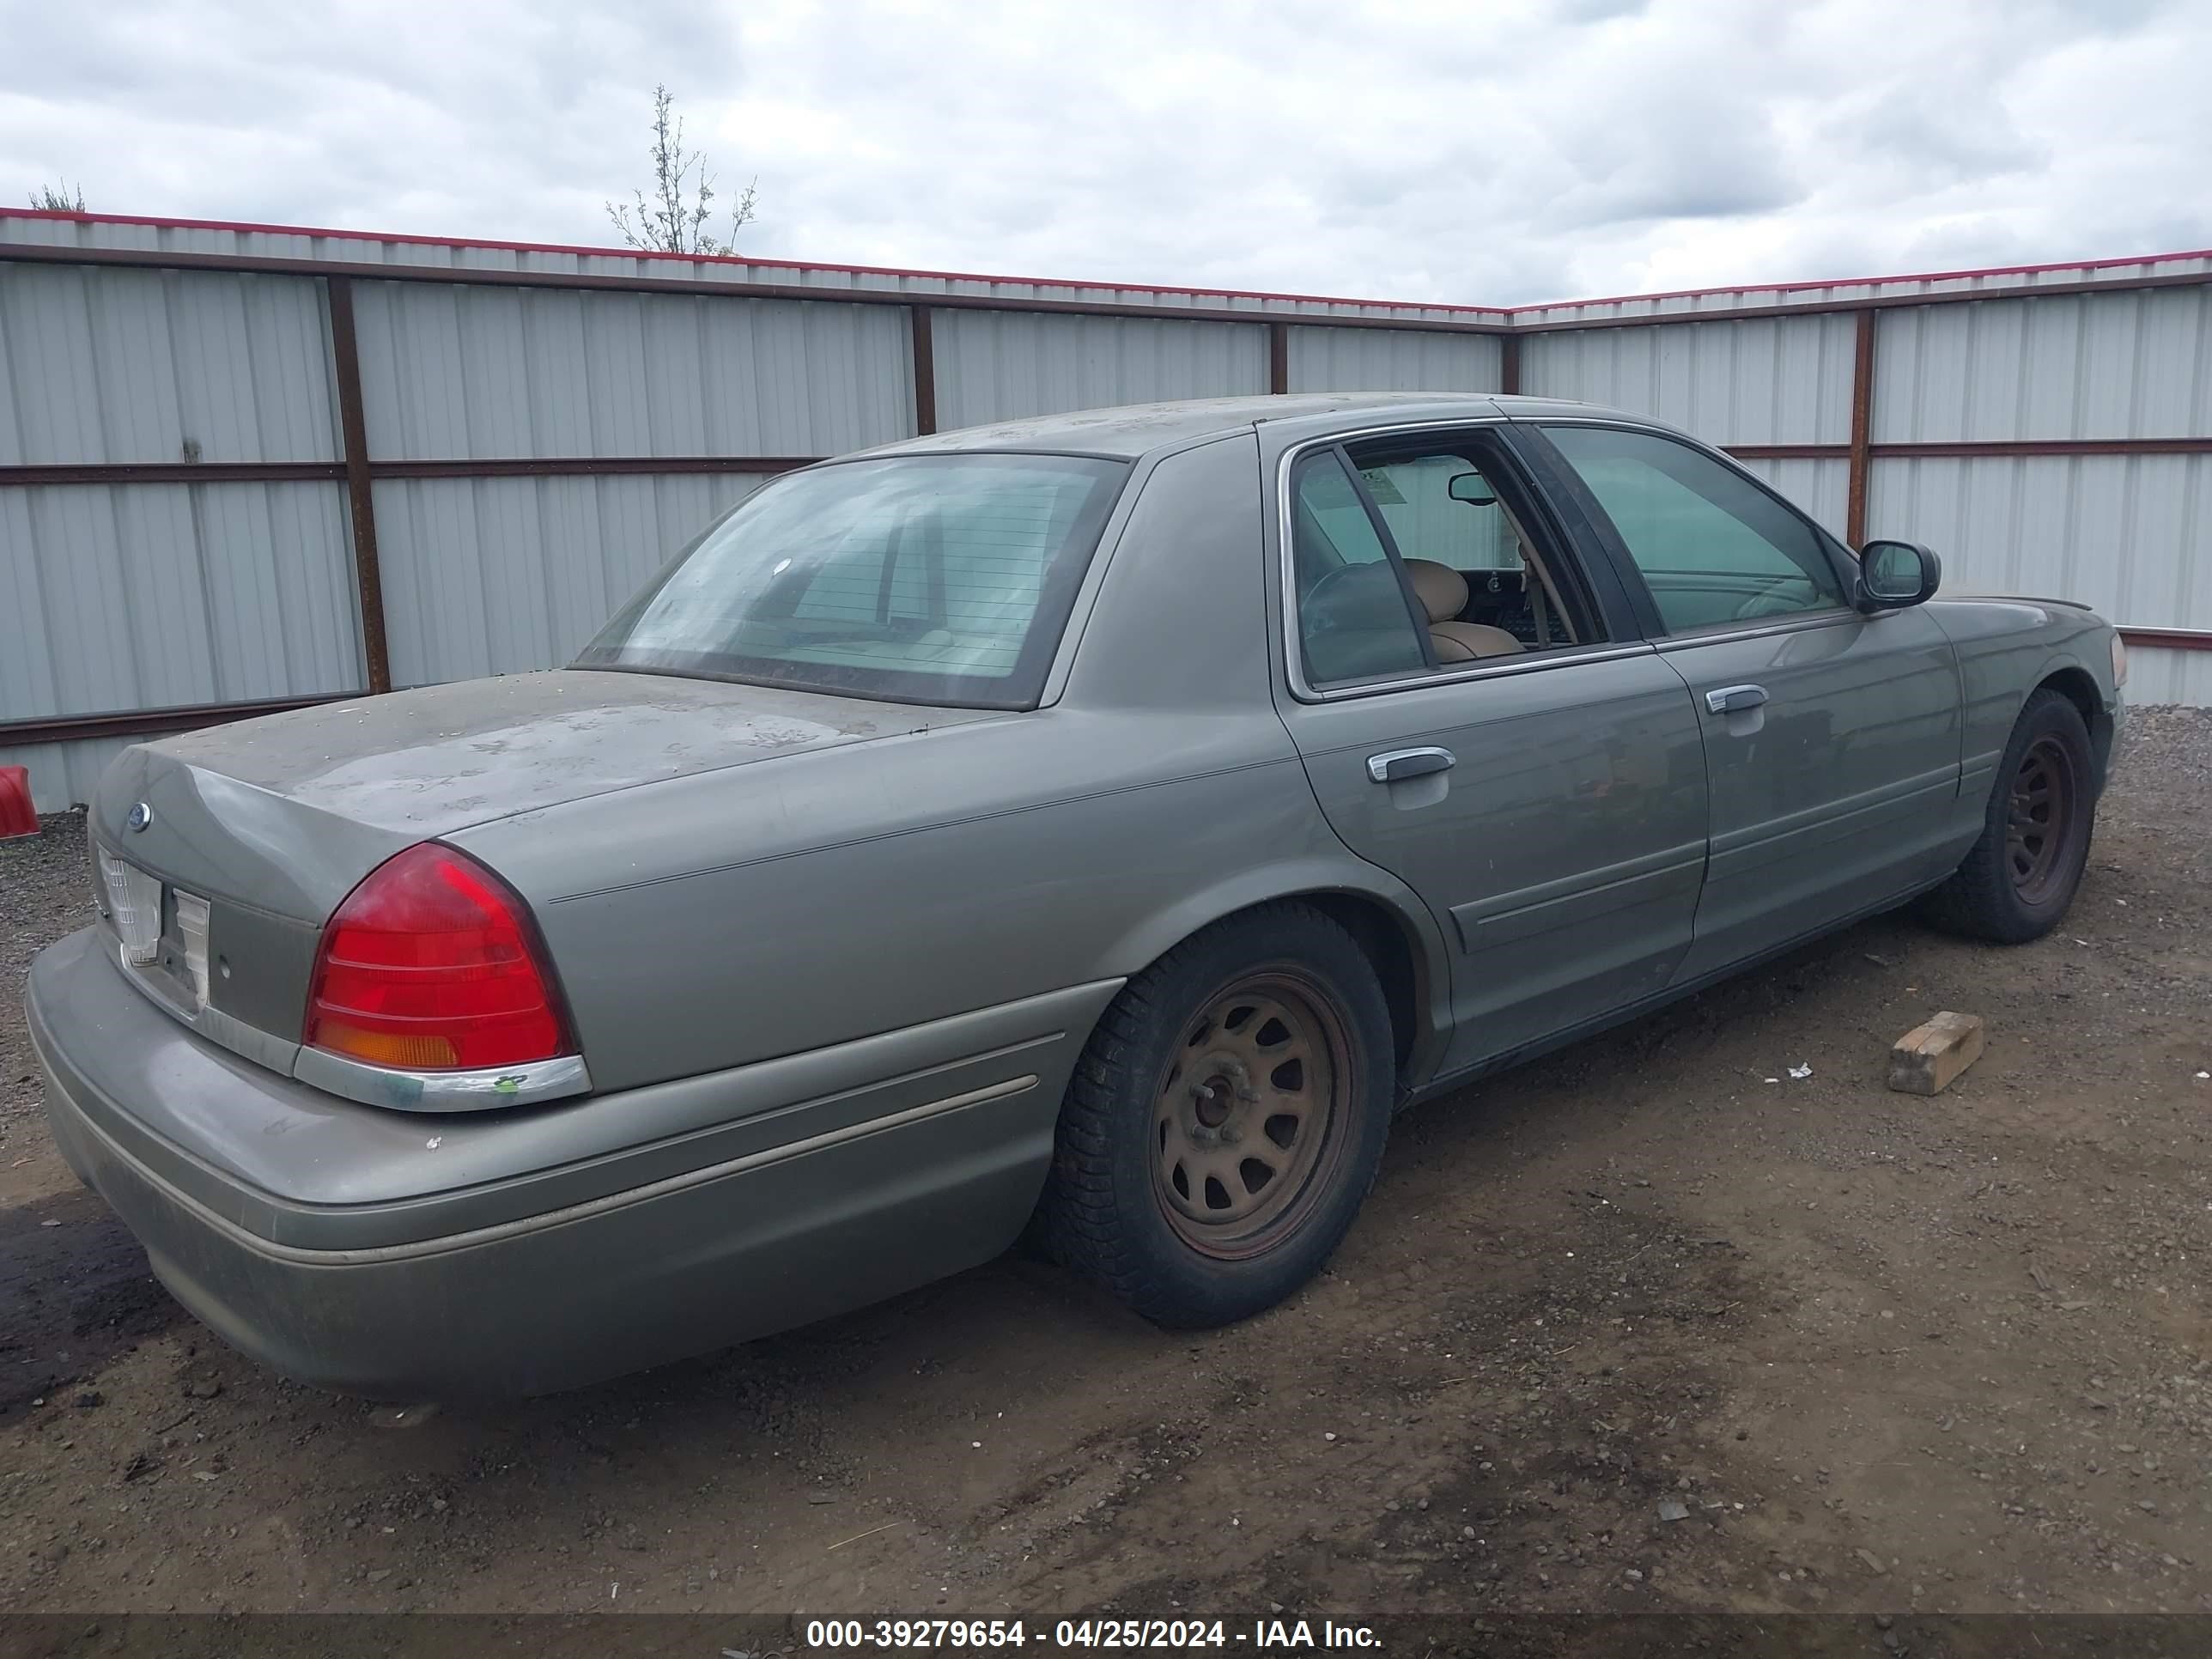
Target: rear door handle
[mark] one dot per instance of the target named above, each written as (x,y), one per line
(1735,699)
(1402,763)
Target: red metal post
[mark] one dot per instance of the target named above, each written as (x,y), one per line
(369,575)
(1861,463)
(925,372)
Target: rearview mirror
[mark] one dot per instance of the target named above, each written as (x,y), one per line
(1472,489)
(1892,574)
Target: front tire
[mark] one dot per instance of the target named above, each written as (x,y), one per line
(2022,873)
(1225,1119)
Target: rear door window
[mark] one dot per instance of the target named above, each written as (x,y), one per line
(1356,620)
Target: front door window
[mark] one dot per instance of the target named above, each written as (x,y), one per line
(1712,546)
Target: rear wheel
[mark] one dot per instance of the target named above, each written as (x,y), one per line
(1225,1121)
(2021,876)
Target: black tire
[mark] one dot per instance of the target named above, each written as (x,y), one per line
(1161,1061)
(2022,873)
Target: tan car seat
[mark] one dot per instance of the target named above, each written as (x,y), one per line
(1442,593)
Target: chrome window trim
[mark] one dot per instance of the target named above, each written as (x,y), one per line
(1287,586)
(1490,669)
(1717,633)
(443,1091)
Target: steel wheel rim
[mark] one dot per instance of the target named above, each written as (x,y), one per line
(2038,820)
(1247,1114)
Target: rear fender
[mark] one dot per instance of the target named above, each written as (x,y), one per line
(1155,934)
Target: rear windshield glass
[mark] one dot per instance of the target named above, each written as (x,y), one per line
(943,579)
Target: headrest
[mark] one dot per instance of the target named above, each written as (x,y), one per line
(1441,589)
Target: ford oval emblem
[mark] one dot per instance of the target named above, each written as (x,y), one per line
(139,817)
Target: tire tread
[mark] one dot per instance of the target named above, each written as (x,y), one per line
(1081,1224)
(1975,901)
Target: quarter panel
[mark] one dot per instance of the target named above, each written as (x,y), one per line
(724,918)
(943,910)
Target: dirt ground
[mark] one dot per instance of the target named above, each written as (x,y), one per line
(1875,1351)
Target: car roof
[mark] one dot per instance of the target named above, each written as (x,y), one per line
(1135,429)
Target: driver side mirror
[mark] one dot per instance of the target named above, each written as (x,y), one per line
(1894,574)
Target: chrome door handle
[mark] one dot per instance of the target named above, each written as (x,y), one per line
(1402,763)
(1735,699)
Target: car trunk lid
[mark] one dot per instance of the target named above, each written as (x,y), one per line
(235,843)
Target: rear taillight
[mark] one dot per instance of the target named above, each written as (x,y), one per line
(431,964)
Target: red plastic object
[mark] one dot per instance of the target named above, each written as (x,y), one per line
(432,965)
(16,817)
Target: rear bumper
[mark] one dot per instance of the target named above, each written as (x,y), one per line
(820,1206)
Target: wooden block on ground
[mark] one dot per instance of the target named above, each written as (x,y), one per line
(1927,1058)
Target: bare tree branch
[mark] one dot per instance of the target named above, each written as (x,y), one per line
(672,217)
(47,199)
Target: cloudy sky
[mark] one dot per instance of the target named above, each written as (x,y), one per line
(1452,149)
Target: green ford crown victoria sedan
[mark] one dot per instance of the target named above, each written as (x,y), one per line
(1097,825)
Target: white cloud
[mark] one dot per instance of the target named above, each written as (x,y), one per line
(1404,148)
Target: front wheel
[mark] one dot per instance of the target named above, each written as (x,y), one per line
(1225,1121)
(2021,876)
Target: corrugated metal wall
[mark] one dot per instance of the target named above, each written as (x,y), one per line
(2128,534)
(495,575)
(1784,381)
(151,595)
(2156,675)
(501,575)
(1820,487)
(143,596)
(1001,365)
(121,595)
(1391,360)
(114,365)
(2097,365)
(478,373)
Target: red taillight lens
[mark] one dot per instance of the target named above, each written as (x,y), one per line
(431,965)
